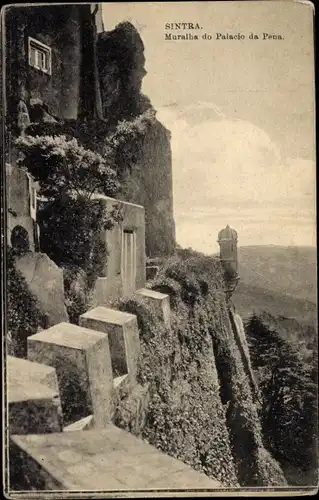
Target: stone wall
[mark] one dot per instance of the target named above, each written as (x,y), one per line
(18,203)
(69,32)
(45,281)
(112,285)
(54,443)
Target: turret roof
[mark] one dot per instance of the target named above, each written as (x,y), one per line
(227,234)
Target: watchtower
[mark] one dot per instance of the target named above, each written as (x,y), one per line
(227,239)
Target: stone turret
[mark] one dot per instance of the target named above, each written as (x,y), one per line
(227,239)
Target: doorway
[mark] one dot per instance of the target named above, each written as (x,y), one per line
(129,261)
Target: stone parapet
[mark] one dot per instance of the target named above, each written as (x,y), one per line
(28,372)
(33,397)
(122,331)
(33,408)
(160,301)
(103,460)
(82,361)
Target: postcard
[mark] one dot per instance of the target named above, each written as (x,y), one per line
(159,249)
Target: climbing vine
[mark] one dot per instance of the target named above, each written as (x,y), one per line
(123,145)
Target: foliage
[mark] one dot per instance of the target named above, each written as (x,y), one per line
(123,145)
(65,168)
(119,146)
(76,291)
(23,313)
(199,412)
(289,395)
(70,232)
(71,218)
(71,236)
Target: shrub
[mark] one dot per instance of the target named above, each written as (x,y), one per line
(289,396)
(70,232)
(76,292)
(23,312)
(123,144)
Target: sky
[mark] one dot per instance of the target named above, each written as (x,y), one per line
(241,114)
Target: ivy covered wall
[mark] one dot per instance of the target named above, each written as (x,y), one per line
(201,409)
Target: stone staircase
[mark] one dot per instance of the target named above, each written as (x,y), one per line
(61,401)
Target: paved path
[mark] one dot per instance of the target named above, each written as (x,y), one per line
(108,459)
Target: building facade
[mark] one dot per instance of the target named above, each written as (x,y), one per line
(55,57)
(50,75)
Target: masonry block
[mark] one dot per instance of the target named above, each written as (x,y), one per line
(103,460)
(33,408)
(23,370)
(137,401)
(33,397)
(122,331)
(45,282)
(82,361)
(160,301)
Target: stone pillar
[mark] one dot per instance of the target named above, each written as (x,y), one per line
(123,336)
(33,397)
(160,301)
(82,361)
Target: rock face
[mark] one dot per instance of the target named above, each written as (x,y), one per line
(150,184)
(120,58)
(45,281)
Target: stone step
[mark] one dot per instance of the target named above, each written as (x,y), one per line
(82,361)
(122,331)
(103,460)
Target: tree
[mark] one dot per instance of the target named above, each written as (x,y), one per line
(289,394)
(65,168)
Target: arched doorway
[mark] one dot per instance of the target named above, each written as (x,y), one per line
(20,239)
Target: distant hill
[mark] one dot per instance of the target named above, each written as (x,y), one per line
(285,270)
(248,299)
